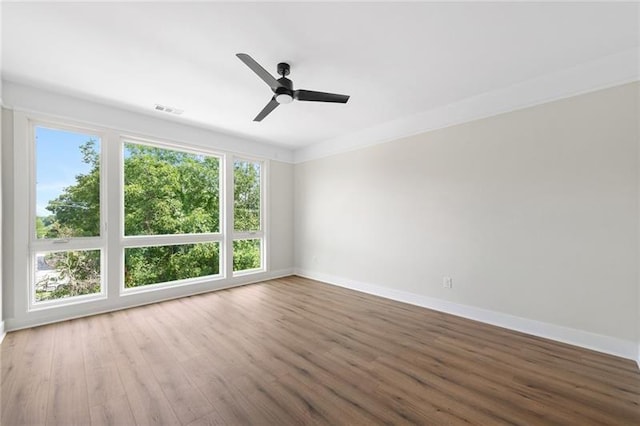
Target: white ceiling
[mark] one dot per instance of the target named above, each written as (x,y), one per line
(394,59)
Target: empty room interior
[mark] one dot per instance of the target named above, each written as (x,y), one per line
(336,213)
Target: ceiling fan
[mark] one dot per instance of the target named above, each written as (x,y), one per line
(282,88)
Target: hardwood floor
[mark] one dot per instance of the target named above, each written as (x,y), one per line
(294,351)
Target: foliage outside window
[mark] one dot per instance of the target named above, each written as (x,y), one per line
(246,255)
(246,196)
(170,192)
(159,264)
(247,217)
(67,274)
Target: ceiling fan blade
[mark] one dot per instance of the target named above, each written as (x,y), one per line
(310,95)
(257,68)
(267,109)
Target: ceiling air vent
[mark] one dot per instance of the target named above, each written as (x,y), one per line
(168,109)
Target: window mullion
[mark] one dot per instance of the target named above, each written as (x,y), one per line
(264,209)
(248,235)
(68,244)
(156,240)
(112,220)
(228,216)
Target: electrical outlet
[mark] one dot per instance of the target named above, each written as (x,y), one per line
(447,282)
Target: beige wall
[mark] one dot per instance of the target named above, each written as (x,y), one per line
(638,138)
(533,213)
(1,197)
(1,237)
(6,118)
(280,210)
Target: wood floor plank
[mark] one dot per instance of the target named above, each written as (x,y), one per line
(149,405)
(293,351)
(101,370)
(112,412)
(10,365)
(25,396)
(212,419)
(68,396)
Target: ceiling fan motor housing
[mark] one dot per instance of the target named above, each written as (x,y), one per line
(283,69)
(286,88)
(285,83)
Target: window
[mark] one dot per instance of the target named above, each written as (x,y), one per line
(110,216)
(170,192)
(247,254)
(247,216)
(161,264)
(246,196)
(66,235)
(61,274)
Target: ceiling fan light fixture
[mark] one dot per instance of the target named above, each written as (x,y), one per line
(284,98)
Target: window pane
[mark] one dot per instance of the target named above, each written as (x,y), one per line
(170,192)
(246,196)
(67,184)
(160,264)
(246,254)
(62,274)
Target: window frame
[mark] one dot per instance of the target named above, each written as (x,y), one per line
(36,245)
(260,234)
(133,241)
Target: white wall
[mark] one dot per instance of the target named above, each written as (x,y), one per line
(1,238)
(533,213)
(2,333)
(1,198)
(638,134)
(280,208)
(279,202)
(6,166)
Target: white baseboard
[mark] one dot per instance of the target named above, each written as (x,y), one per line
(597,342)
(2,332)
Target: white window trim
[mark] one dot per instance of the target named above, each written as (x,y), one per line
(132,241)
(260,234)
(64,244)
(112,241)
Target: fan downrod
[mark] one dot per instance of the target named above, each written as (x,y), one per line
(283,69)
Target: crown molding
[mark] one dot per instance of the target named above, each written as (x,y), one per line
(609,71)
